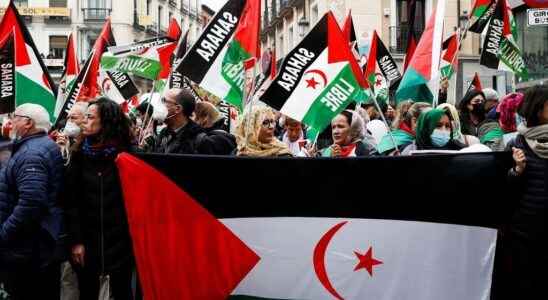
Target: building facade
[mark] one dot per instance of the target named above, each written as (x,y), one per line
(286,22)
(132,20)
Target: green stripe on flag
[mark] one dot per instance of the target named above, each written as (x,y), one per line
(333,99)
(478,12)
(133,64)
(28,91)
(233,73)
(413,86)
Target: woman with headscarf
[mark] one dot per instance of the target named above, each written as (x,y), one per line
(348,137)
(528,229)
(434,132)
(255,134)
(466,139)
(509,119)
(404,126)
(472,112)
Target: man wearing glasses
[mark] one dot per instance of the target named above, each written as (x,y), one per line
(30,215)
(181,134)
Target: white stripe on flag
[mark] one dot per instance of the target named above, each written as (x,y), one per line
(427,261)
(302,98)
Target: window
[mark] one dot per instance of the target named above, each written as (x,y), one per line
(57,3)
(535,51)
(149,4)
(281,48)
(57,46)
(290,38)
(407,23)
(160,15)
(22,3)
(170,16)
(97,3)
(314,14)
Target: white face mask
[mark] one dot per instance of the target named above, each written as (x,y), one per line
(72,130)
(13,135)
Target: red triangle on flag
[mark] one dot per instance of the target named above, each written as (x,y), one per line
(174,30)
(182,251)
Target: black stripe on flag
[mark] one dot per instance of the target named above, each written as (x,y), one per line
(211,42)
(493,39)
(123,83)
(293,68)
(431,188)
(7,71)
(388,66)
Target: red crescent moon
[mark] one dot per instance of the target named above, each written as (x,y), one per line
(319,259)
(319,72)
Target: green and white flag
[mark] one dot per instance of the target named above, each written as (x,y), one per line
(317,79)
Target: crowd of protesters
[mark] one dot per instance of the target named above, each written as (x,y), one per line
(62,217)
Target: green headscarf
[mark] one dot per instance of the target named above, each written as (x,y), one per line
(428,121)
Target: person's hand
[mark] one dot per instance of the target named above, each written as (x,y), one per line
(61,140)
(336,150)
(78,253)
(519,157)
(310,150)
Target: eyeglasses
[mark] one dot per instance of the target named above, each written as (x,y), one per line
(21,116)
(164,101)
(269,123)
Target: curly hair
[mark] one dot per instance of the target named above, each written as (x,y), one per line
(115,125)
(533,104)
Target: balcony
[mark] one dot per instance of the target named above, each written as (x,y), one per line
(96,14)
(152,29)
(399,38)
(172,3)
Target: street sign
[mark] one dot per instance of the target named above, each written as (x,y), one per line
(537,17)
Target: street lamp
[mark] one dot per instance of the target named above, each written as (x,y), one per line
(303,26)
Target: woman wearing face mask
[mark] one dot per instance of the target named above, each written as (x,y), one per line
(96,217)
(466,139)
(434,132)
(255,134)
(528,230)
(71,134)
(348,137)
(472,112)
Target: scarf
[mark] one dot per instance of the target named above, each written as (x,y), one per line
(247,135)
(537,138)
(507,109)
(99,150)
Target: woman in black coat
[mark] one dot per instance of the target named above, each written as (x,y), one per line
(528,245)
(97,222)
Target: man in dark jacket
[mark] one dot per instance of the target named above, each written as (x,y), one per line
(30,217)
(180,135)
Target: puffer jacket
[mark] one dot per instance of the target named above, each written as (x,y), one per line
(31,220)
(529,219)
(96,215)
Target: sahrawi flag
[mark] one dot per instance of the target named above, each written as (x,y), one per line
(317,78)
(71,70)
(500,50)
(33,83)
(86,85)
(481,14)
(190,245)
(229,43)
(475,84)
(420,81)
(449,58)
(381,70)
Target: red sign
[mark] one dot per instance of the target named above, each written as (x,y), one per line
(536,3)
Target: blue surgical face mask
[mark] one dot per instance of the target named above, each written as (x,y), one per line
(440,137)
(519,120)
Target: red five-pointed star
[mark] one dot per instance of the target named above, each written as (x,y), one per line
(311,83)
(367,261)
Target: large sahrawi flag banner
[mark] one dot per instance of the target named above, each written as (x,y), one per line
(207,63)
(317,78)
(334,241)
(500,50)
